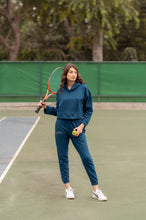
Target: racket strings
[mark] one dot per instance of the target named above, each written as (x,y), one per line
(55,80)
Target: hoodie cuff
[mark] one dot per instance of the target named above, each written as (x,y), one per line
(85,121)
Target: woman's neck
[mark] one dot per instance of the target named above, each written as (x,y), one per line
(70,84)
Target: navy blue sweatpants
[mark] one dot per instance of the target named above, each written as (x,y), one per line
(63,133)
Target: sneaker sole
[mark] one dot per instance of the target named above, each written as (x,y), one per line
(70,198)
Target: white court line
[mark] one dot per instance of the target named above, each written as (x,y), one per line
(18,151)
(2,119)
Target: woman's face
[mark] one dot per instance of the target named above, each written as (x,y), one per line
(72,75)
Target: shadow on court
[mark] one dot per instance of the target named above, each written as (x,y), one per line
(32,188)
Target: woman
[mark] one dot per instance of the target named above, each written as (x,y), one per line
(73,110)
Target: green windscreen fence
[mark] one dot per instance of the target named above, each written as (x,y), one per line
(107,81)
(123,82)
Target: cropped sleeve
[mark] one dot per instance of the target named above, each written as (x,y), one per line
(87,107)
(50,110)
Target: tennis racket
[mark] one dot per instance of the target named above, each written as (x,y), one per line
(53,84)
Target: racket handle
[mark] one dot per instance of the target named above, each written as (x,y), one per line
(38,109)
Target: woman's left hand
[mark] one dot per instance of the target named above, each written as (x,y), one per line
(79,129)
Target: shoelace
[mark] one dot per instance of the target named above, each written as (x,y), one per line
(99,192)
(70,189)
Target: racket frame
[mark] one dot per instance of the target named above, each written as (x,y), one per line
(48,89)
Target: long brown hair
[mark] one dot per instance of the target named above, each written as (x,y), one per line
(64,75)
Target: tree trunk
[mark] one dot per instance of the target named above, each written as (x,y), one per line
(13,52)
(97,49)
(13,48)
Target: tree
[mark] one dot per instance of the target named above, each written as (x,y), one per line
(6,12)
(97,21)
(12,13)
(130,37)
(66,29)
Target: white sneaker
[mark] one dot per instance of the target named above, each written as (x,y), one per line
(69,193)
(98,194)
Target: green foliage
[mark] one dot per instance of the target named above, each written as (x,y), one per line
(129,54)
(103,15)
(45,36)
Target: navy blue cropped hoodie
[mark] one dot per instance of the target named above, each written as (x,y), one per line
(74,103)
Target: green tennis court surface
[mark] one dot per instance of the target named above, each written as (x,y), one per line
(32,189)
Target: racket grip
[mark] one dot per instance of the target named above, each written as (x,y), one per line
(38,109)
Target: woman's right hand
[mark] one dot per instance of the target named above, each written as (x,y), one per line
(42,104)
